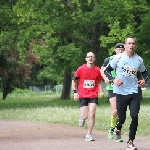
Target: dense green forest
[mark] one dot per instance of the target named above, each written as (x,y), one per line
(42,42)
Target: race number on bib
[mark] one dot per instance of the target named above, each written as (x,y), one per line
(130,71)
(89,83)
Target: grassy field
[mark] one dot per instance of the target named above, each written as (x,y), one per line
(49,108)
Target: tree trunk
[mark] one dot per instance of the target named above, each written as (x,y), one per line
(95,43)
(6,88)
(66,85)
(5,93)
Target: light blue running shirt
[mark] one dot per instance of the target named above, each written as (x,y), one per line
(126,69)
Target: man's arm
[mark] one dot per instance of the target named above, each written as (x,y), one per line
(103,75)
(107,72)
(74,87)
(101,89)
(106,62)
(142,82)
(145,75)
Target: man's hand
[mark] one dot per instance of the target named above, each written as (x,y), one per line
(118,82)
(76,96)
(141,83)
(101,94)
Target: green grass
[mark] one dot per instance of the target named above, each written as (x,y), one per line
(146,92)
(49,108)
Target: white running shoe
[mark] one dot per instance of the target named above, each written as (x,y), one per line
(131,146)
(81,122)
(89,138)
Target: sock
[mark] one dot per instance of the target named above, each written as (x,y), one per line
(130,141)
(113,122)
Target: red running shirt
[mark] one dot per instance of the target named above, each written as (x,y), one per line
(88,81)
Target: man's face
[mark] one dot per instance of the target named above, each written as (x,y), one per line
(90,58)
(119,50)
(130,45)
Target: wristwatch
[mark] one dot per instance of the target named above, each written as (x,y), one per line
(74,91)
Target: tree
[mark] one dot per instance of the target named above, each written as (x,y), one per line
(69,29)
(66,35)
(143,36)
(13,72)
(14,66)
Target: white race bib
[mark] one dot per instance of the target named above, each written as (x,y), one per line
(89,83)
(129,71)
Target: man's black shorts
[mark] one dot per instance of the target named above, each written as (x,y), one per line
(111,94)
(85,101)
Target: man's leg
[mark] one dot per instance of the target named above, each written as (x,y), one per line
(92,109)
(134,110)
(84,111)
(112,101)
(121,105)
(134,107)
(113,111)
(122,102)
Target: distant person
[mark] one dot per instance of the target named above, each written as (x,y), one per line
(119,48)
(86,85)
(125,86)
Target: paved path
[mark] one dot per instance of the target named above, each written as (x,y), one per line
(23,135)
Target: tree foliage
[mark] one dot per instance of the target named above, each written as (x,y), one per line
(61,32)
(14,68)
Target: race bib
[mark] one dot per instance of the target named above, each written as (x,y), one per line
(89,83)
(129,71)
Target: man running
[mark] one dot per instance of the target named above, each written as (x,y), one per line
(125,86)
(86,84)
(119,48)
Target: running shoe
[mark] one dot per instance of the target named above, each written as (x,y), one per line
(89,138)
(81,122)
(131,146)
(111,133)
(117,136)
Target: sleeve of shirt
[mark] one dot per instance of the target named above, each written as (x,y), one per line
(142,67)
(114,61)
(111,66)
(143,70)
(100,76)
(106,61)
(107,72)
(77,73)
